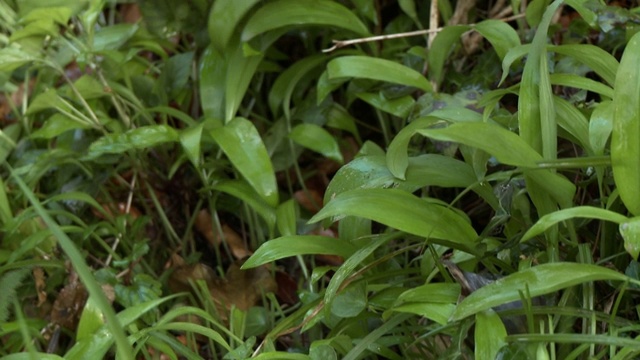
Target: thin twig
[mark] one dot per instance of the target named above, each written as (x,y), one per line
(342,43)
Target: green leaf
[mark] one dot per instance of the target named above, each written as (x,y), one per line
(489,335)
(284,13)
(351,301)
(56,125)
(317,139)
(370,172)
(441,47)
(500,34)
(113,37)
(397,156)
(571,119)
(580,82)
(538,280)
(213,74)
(376,69)
(625,147)
(224,17)
(600,126)
(294,245)
(244,192)
(630,232)
(599,60)
(402,211)
(400,107)
(190,140)
(144,137)
(242,144)
(91,320)
(588,212)
(286,216)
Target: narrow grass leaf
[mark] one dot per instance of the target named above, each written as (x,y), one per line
(588,212)
(403,211)
(114,326)
(538,280)
(240,141)
(283,13)
(489,334)
(625,147)
(512,56)
(376,69)
(315,138)
(287,246)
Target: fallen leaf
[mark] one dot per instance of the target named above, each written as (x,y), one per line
(231,238)
(39,278)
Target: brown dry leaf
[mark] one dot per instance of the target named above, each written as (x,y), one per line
(242,288)
(235,243)
(39,278)
(130,13)
(287,288)
(69,304)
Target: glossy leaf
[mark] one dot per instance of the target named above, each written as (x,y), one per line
(224,17)
(370,172)
(625,147)
(286,246)
(580,82)
(376,69)
(284,13)
(141,138)
(600,61)
(588,212)
(242,144)
(403,211)
(400,107)
(538,280)
(630,232)
(286,216)
(317,139)
(573,121)
(91,320)
(600,126)
(190,141)
(213,74)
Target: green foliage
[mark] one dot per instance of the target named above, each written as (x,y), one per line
(390,196)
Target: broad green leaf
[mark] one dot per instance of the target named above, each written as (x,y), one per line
(599,60)
(489,335)
(113,37)
(286,216)
(400,107)
(339,118)
(581,82)
(440,293)
(500,34)
(600,126)
(239,72)
(294,245)
(573,121)
(284,13)
(317,139)
(625,147)
(441,48)
(397,157)
(190,141)
(510,57)
(370,172)
(538,280)
(240,141)
(438,312)
(56,125)
(12,57)
(351,301)
(403,211)
(244,192)
(630,232)
(91,320)
(144,137)
(376,69)
(224,17)
(588,212)
(283,87)
(88,87)
(28,356)
(508,148)
(213,74)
